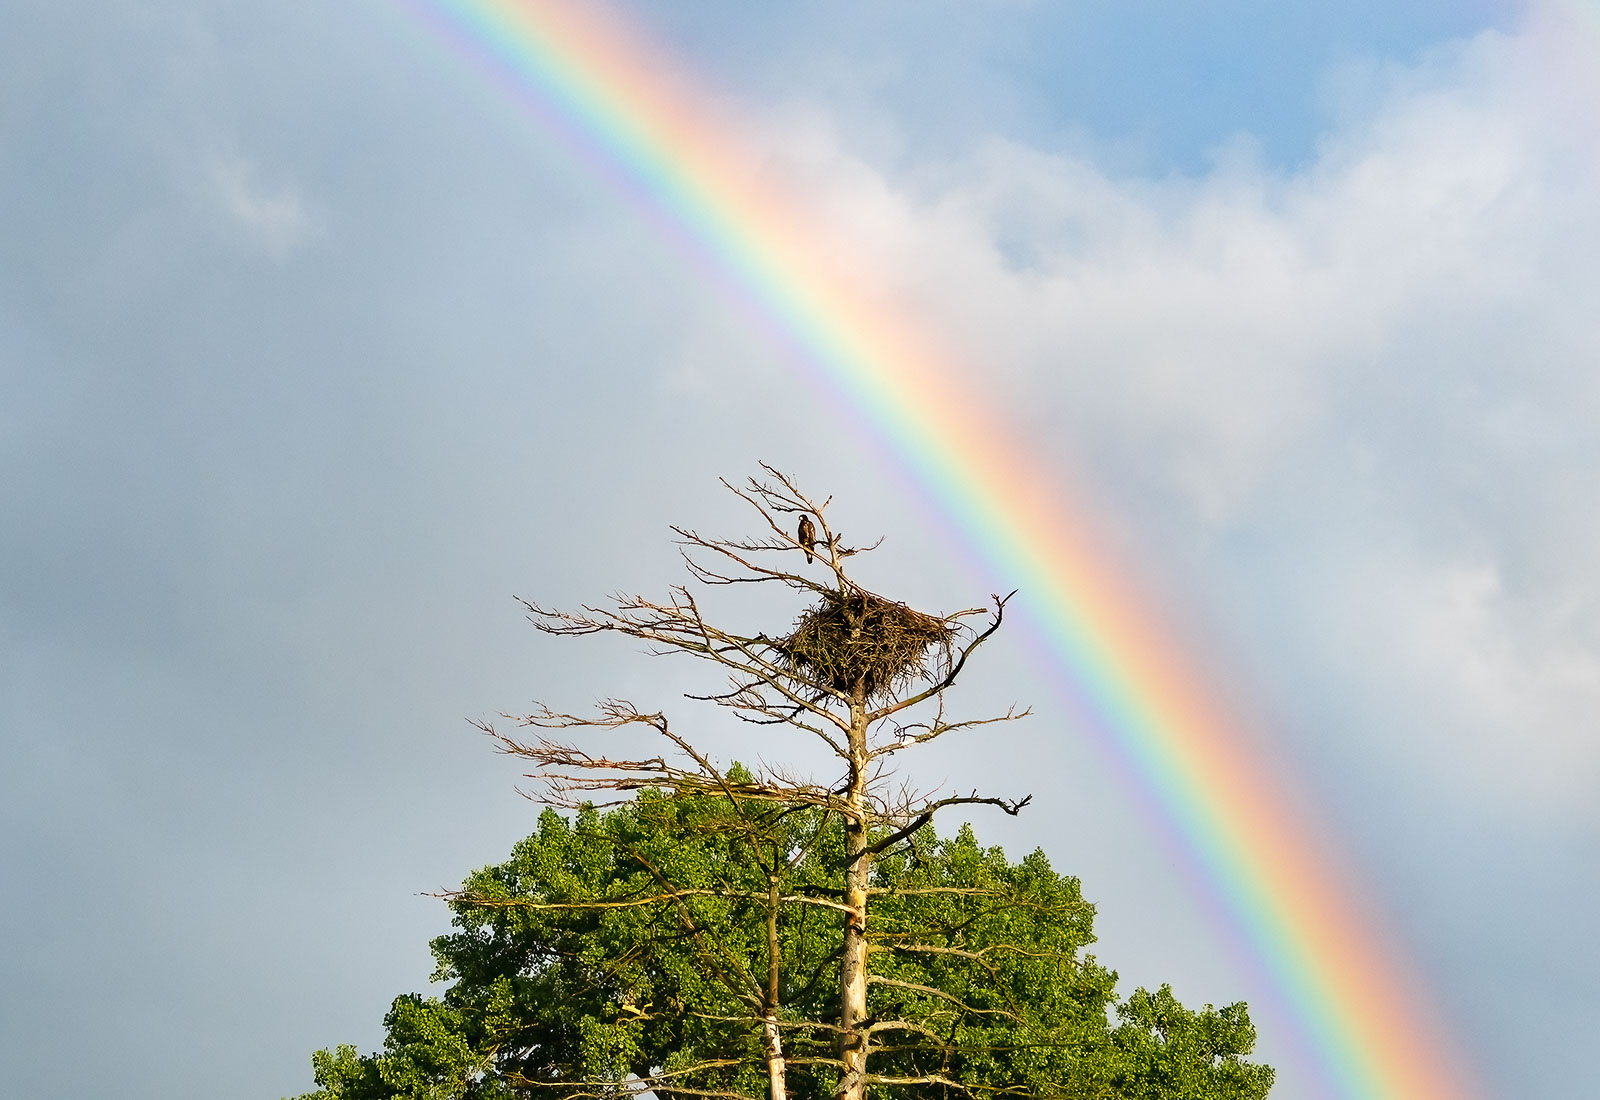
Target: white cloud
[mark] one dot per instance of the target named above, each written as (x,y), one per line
(1384,361)
(275,217)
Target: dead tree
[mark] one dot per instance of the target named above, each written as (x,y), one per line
(863,675)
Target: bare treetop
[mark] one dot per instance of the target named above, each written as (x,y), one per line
(853,658)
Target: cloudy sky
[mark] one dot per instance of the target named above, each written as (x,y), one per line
(315,347)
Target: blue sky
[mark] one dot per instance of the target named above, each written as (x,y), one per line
(1159,84)
(315,348)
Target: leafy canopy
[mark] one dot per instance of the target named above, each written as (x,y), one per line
(609,952)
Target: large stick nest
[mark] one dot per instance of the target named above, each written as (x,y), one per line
(860,638)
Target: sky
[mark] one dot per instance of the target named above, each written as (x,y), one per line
(317,345)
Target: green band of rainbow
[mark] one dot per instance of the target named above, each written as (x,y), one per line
(634,109)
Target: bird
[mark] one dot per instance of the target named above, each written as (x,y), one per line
(807,536)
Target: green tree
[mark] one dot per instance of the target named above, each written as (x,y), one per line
(764,931)
(571,971)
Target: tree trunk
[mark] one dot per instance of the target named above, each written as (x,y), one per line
(853,968)
(772,1043)
(771,1036)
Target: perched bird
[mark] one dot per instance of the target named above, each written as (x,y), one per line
(807,536)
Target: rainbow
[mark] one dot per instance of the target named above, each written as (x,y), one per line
(635,115)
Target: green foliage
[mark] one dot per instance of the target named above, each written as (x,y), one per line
(1016,1006)
(1168,1051)
(623,945)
